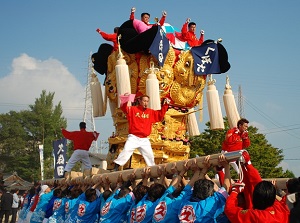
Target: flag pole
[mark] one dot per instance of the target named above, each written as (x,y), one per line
(41,151)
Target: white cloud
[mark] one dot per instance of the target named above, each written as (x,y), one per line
(29,76)
(284,165)
(291,165)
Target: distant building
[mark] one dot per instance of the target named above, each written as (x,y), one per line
(11,182)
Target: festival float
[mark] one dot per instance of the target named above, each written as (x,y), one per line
(155,61)
(152,62)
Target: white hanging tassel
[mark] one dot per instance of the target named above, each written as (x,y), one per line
(152,88)
(193,128)
(230,105)
(122,76)
(214,107)
(97,98)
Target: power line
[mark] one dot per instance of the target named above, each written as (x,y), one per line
(268,118)
(294,147)
(287,126)
(283,130)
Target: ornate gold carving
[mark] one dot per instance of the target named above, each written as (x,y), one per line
(166,75)
(111,82)
(178,82)
(187,88)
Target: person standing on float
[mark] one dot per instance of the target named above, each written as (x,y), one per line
(145,17)
(188,34)
(82,142)
(140,119)
(110,37)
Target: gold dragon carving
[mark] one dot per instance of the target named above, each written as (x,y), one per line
(187,88)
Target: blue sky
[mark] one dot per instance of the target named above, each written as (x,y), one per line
(46,45)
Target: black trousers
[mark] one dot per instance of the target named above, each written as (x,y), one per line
(6,214)
(14,212)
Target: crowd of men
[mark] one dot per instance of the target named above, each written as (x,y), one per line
(250,199)
(160,200)
(10,201)
(187,34)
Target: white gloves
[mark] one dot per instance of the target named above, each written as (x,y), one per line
(202,32)
(167,101)
(133,9)
(164,13)
(188,20)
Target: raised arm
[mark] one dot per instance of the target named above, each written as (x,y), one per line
(227,180)
(246,139)
(181,174)
(184,29)
(107,36)
(161,172)
(145,176)
(132,178)
(124,102)
(159,115)
(131,17)
(119,182)
(204,171)
(106,183)
(194,167)
(163,18)
(201,39)
(67,134)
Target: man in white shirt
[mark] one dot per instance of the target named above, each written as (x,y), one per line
(15,205)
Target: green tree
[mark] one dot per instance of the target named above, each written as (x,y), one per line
(46,121)
(15,144)
(264,156)
(22,133)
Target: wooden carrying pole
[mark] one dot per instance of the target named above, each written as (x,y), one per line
(113,176)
